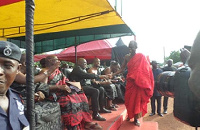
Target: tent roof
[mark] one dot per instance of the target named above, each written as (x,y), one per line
(89,46)
(63,23)
(120,42)
(101,49)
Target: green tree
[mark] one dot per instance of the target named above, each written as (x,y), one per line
(175,56)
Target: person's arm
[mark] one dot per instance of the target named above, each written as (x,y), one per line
(93,80)
(123,66)
(54,88)
(100,82)
(86,75)
(21,78)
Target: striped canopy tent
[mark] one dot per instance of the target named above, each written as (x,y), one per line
(61,23)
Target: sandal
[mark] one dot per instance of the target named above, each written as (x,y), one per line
(115,105)
(93,126)
(136,122)
(127,119)
(112,108)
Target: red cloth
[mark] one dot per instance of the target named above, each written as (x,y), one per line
(140,84)
(74,106)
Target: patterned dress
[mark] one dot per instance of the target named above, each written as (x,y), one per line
(74,105)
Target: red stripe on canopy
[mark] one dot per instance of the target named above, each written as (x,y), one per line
(7,2)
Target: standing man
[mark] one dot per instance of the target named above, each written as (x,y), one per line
(11,109)
(140,83)
(169,67)
(156,95)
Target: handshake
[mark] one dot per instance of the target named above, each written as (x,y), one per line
(108,76)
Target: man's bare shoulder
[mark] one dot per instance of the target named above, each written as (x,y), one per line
(90,70)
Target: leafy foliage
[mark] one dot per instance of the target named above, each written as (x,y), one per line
(175,56)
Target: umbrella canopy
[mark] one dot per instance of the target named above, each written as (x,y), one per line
(101,49)
(63,23)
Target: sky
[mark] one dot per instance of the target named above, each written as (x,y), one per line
(160,24)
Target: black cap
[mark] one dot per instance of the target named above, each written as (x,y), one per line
(10,50)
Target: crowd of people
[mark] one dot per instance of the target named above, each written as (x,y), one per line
(53,80)
(156,95)
(97,91)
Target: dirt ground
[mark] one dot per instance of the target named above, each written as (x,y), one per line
(168,121)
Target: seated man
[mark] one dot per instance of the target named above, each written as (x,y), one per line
(11,109)
(79,74)
(65,70)
(73,102)
(111,92)
(117,79)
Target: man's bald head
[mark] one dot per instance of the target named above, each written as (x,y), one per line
(96,59)
(170,62)
(96,62)
(132,42)
(132,46)
(82,63)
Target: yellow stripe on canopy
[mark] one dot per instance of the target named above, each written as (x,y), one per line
(57,16)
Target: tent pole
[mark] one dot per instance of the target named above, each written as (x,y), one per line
(76,53)
(116,5)
(121,8)
(75,50)
(30,7)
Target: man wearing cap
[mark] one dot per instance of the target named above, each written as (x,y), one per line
(156,95)
(11,109)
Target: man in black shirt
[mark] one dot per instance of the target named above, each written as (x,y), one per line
(79,74)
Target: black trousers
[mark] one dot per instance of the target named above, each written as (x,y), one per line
(97,96)
(102,96)
(153,106)
(165,103)
(110,91)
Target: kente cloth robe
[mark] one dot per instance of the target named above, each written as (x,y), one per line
(140,85)
(74,106)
